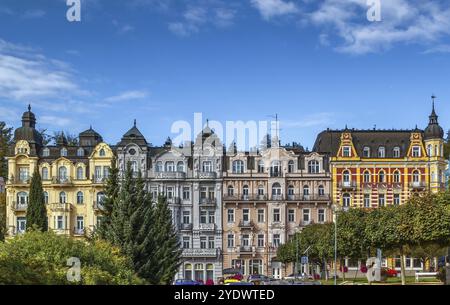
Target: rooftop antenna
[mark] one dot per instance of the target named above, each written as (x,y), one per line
(29,107)
(277,129)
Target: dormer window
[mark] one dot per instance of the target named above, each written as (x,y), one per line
(102,153)
(159,167)
(291,166)
(346,151)
(366,152)
(416,152)
(80,152)
(381,152)
(238,167)
(64,152)
(46,152)
(396,152)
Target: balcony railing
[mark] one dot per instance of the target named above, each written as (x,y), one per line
(207,175)
(62,180)
(17,206)
(78,231)
(186,226)
(15,180)
(173,200)
(418,185)
(276,197)
(208,202)
(246,249)
(207,226)
(99,179)
(64,207)
(200,252)
(246,224)
(276,174)
(245,197)
(347,185)
(170,175)
(308,197)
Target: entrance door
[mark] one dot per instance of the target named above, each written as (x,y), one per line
(276,273)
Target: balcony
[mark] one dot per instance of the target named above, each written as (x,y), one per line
(78,232)
(62,181)
(276,174)
(246,249)
(99,179)
(61,207)
(276,197)
(98,206)
(186,227)
(174,200)
(207,226)
(19,181)
(170,175)
(419,185)
(207,175)
(15,206)
(248,224)
(308,197)
(245,198)
(208,202)
(347,185)
(200,252)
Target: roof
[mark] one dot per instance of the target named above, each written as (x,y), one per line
(133,136)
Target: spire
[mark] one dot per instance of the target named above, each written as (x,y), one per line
(433,116)
(433,130)
(134,122)
(29,107)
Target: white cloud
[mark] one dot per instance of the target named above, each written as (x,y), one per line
(57,121)
(273,8)
(127,96)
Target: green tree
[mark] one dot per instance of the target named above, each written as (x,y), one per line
(5,141)
(286,253)
(40,258)
(36,210)
(2,216)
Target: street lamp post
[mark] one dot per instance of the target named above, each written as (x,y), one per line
(336,208)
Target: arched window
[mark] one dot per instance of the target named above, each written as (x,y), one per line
(276,190)
(238,167)
(170,166)
(62,197)
(230,190)
(62,173)
(321,190)
(159,167)
(180,166)
(366,177)
(100,198)
(346,200)
(416,176)
(260,166)
(46,197)
(397,176)
(46,152)
(22,199)
(396,152)
(102,153)
(381,152)
(199,276)
(291,190)
(207,167)
(305,190)
(381,177)
(44,173)
(188,272)
(64,152)
(80,173)
(260,190)
(80,152)
(291,166)
(80,198)
(275,169)
(245,191)
(346,177)
(209,272)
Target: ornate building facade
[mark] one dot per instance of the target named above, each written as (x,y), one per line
(268,197)
(73,179)
(191,179)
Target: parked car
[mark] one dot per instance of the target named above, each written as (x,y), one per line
(186,282)
(294,276)
(259,279)
(240,283)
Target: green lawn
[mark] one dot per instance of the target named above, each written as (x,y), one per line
(410,280)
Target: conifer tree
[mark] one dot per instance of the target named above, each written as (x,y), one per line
(36,210)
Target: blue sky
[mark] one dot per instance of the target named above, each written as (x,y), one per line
(317,63)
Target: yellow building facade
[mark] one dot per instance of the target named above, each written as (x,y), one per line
(73,179)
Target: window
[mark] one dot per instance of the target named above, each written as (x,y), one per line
(230,241)
(397,176)
(276,240)
(261,215)
(102,153)
(260,190)
(366,177)
(321,215)
(80,198)
(159,167)
(100,198)
(46,152)
(260,240)
(23,174)
(186,242)
(255,266)
(80,173)
(313,167)
(381,152)
(321,190)
(396,152)
(207,166)
(106,170)
(291,191)
(275,169)
(211,217)
(230,215)
(21,224)
(132,151)
(80,152)
(346,151)
(396,199)
(416,151)
(246,215)
(62,197)
(64,152)
(46,197)
(169,192)
(291,166)
(44,173)
(203,242)
(22,199)
(306,216)
(188,271)
(186,193)
(367,200)
(346,200)
(245,242)
(80,223)
(203,216)
(366,152)
(245,191)
(381,200)
(276,190)
(306,191)
(416,177)
(276,215)
(180,166)
(381,177)
(260,166)
(203,192)
(291,215)
(238,167)
(62,173)
(60,223)
(346,178)
(186,217)
(211,242)
(170,166)
(230,191)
